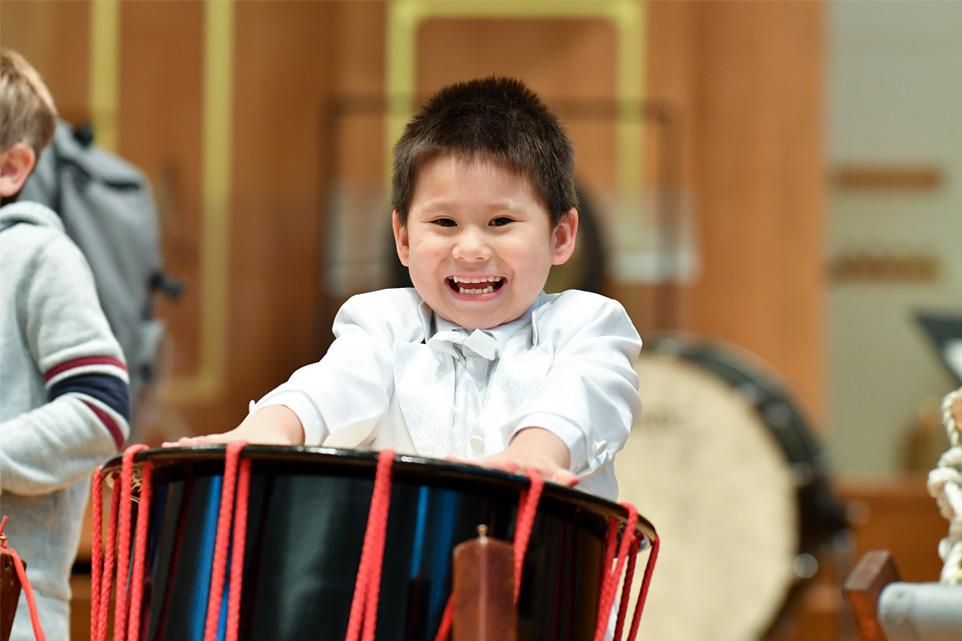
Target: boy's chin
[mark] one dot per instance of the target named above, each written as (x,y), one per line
(473,322)
(484,312)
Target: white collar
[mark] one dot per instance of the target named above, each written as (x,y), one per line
(501,333)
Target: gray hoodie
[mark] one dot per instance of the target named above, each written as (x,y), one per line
(64,406)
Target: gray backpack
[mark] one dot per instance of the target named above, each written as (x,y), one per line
(108,210)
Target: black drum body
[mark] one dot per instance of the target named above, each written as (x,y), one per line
(723,459)
(307,514)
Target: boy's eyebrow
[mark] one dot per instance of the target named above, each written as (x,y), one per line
(444,206)
(510,205)
(439,206)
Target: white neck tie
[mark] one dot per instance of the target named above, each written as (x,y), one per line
(478,342)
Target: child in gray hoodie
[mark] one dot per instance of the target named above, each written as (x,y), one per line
(64,406)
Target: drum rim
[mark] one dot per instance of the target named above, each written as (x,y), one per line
(405,465)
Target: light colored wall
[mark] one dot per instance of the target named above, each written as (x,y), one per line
(894,100)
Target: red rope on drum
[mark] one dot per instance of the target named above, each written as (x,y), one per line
(127,615)
(123,552)
(645,583)
(237,562)
(368,582)
(611,544)
(25,583)
(98,624)
(609,584)
(140,553)
(527,510)
(377,556)
(626,588)
(445,628)
(222,539)
(96,552)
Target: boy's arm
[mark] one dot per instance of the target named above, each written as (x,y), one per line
(86,417)
(589,397)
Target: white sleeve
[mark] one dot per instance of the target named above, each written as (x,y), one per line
(589,397)
(351,387)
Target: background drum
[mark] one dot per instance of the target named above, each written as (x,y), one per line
(724,462)
(306,520)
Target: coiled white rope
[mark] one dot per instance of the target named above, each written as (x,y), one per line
(945,486)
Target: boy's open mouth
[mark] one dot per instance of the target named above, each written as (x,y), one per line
(475,286)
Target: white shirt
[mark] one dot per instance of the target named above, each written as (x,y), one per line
(566,366)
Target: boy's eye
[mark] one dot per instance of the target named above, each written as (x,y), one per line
(443,222)
(501,221)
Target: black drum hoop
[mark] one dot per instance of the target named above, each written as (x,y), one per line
(170,462)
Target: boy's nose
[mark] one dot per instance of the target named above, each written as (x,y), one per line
(471,245)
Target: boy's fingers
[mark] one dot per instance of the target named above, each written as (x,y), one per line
(185,441)
(549,471)
(565,477)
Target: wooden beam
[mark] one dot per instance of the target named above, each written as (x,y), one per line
(908,178)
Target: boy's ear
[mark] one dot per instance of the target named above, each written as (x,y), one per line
(563,238)
(401,239)
(16,165)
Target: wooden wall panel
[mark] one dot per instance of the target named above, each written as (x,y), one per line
(159,124)
(744,81)
(357,58)
(160,129)
(55,37)
(285,65)
(283,69)
(581,69)
(746,78)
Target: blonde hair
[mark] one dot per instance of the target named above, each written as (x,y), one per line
(27,112)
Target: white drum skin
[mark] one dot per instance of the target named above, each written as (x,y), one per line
(705,466)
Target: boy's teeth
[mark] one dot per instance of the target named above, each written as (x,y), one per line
(463,285)
(458,279)
(475,292)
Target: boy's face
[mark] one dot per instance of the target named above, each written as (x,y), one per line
(479,243)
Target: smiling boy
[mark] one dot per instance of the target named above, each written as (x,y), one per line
(475,362)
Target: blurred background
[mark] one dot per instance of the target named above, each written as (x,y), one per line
(778,180)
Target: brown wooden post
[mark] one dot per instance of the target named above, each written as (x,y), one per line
(9,591)
(862,590)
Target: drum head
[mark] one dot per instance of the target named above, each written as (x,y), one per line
(702,464)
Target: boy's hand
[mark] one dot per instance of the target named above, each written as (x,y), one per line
(271,425)
(536,449)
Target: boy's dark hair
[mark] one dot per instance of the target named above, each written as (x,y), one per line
(495,119)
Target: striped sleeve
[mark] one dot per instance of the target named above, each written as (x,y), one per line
(78,374)
(100,382)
